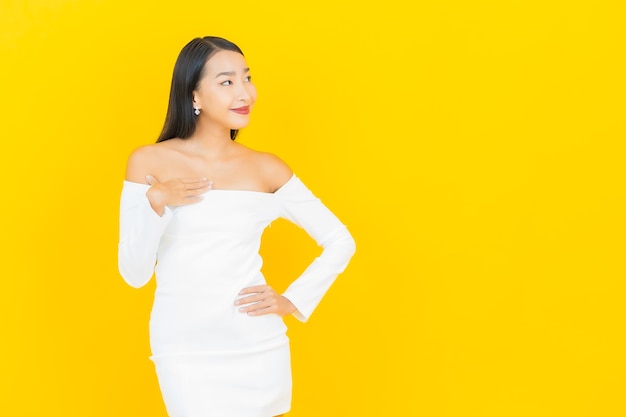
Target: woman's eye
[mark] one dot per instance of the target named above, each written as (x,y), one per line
(248,78)
(227,82)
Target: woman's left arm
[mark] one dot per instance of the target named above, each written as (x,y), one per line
(300,206)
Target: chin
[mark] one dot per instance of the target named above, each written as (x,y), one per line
(239,125)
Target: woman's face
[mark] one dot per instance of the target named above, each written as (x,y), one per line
(225,94)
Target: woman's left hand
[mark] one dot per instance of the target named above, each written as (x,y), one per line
(262,299)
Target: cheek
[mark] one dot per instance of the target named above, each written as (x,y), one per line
(217,99)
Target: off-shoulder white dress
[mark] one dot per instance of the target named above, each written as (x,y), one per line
(211,359)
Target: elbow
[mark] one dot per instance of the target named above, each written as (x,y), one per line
(134,275)
(347,249)
(135,280)
(136,283)
(341,247)
(351,246)
(343,239)
(134,266)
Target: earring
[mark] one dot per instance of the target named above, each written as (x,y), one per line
(196,111)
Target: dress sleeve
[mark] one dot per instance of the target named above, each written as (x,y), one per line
(140,233)
(300,206)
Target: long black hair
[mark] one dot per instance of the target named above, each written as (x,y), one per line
(180,121)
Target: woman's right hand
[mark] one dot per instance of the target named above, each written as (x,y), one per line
(175,192)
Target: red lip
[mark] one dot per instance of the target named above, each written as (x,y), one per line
(242,110)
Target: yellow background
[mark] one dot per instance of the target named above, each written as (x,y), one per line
(475,149)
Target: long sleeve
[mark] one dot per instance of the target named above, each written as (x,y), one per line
(300,206)
(140,232)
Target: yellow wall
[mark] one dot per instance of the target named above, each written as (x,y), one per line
(474,148)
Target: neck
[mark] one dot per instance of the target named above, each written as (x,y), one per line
(211,139)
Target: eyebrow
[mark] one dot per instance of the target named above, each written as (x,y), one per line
(231,73)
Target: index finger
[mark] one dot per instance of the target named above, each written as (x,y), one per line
(192,180)
(253,289)
(196,183)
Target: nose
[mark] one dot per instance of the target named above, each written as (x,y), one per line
(244,95)
(245,98)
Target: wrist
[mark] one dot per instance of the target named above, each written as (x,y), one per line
(157,202)
(290,308)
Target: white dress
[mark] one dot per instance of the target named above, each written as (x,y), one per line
(211,359)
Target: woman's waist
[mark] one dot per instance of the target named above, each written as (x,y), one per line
(201,299)
(187,286)
(208,267)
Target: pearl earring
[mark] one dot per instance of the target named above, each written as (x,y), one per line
(196,111)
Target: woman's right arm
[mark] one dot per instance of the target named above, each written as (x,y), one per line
(141,229)
(145,213)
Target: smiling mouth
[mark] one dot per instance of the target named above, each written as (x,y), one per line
(242,110)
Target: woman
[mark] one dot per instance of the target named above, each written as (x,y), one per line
(198,202)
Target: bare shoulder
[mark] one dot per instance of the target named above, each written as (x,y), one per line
(144,160)
(274,171)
